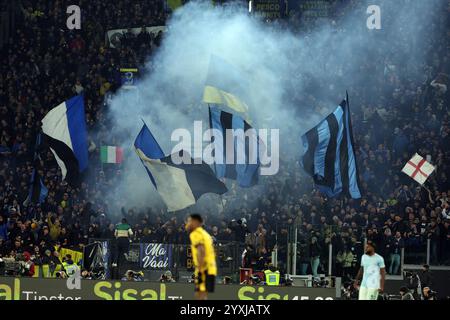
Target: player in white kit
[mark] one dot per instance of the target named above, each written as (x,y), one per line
(372,272)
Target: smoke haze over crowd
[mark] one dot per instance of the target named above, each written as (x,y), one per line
(295,78)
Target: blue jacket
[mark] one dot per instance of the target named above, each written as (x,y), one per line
(400,144)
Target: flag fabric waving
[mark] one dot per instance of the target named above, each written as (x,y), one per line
(418,168)
(179,185)
(64,128)
(329,155)
(149,147)
(246,171)
(225,86)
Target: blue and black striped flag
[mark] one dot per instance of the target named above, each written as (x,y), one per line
(235,157)
(329,154)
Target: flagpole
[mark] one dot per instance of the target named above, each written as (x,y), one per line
(423,186)
(429,192)
(430,197)
(101,161)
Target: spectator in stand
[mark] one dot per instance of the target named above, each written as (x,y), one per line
(396,244)
(303,256)
(248,257)
(27,266)
(315,251)
(432,232)
(344,260)
(445,242)
(263,260)
(54,227)
(425,276)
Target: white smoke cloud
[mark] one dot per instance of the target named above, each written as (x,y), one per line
(279,65)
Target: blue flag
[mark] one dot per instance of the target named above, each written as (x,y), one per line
(246,170)
(179,184)
(329,155)
(146,142)
(64,128)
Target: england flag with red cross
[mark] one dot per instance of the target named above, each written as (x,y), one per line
(418,169)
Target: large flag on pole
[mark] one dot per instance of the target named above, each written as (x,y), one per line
(179,185)
(329,155)
(225,85)
(236,154)
(418,168)
(64,128)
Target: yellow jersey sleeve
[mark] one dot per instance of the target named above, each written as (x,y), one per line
(196,238)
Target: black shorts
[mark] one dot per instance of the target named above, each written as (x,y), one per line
(204,282)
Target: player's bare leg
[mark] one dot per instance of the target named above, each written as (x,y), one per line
(201,295)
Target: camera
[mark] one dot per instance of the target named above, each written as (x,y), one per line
(289,281)
(135,276)
(431,295)
(167,277)
(409,274)
(61,275)
(11,267)
(348,291)
(256,279)
(321,283)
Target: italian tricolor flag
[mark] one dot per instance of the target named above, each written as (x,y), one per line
(110,154)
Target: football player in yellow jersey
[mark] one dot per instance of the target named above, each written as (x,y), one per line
(203,256)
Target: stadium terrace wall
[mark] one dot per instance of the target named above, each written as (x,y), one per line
(58,289)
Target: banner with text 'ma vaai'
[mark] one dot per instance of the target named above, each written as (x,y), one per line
(156,256)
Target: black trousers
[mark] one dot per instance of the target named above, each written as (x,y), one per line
(122,248)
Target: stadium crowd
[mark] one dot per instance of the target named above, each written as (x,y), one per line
(46,63)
